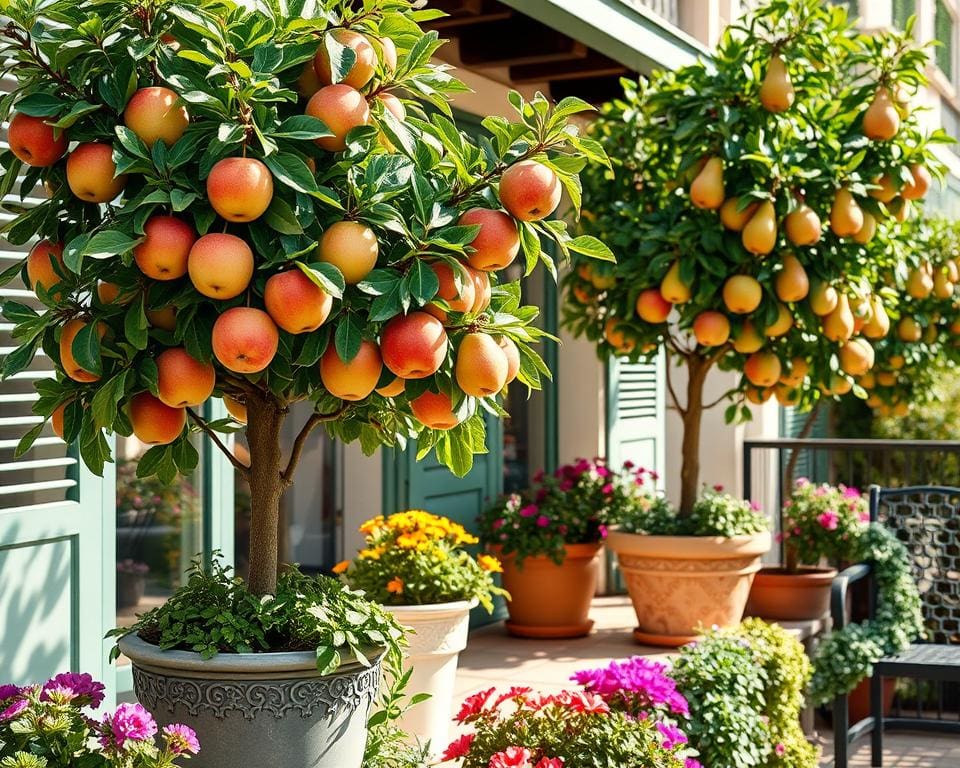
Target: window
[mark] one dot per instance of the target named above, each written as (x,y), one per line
(943,31)
(902,11)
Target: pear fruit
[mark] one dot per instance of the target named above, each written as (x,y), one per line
(942,287)
(919,284)
(673,289)
(887,190)
(776,92)
(878,325)
(917,188)
(792,283)
(823,299)
(782,324)
(733,219)
(868,230)
(747,339)
(760,234)
(881,121)
(707,191)
(803,226)
(838,325)
(856,357)
(742,294)
(846,215)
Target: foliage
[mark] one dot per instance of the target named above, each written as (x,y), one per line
(52,726)
(416,558)
(216,613)
(522,729)
(714,514)
(387,745)
(573,505)
(745,691)
(846,656)
(820,521)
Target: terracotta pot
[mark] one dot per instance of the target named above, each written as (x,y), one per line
(779,594)
(679,584)
(550,600)
(858,702)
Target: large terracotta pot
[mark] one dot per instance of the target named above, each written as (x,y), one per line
(549,600)
(439,634)
(778,594)
(858,702)
(679,584)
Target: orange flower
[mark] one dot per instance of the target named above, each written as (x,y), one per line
(341,567)
(395,585)
(490,563)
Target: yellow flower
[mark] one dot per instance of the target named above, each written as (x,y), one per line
(371,554)
(490,563)
(395,585)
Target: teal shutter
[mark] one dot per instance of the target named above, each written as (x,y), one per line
(56,530)
(902,11)
(635,413)
(943,32)
(810,464)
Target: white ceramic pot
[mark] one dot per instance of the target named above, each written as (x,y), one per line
(439,634)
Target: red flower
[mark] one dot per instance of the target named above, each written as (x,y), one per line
(517,693)
(550,762)
(474,705)
(582,701)
(458,748)
(511,757)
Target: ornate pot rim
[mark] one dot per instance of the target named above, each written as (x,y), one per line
(807,575)
(151,657)
(575,551)
(432,611)
(689,547)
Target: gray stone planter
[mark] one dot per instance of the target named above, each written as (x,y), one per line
(258,709)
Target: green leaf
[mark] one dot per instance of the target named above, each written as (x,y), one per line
(530,242)
(421,282)
(41,105)
(28,440)
(342,57)
(86,349)
(304,127)
(135,324)
(132,143)
(281,217)
(185,455)
(107,399)
(328,660)
(153,459)
(326,276)
(348,337)
(291,170)
(590,246)
(108,243)
(180,199)
(78,110)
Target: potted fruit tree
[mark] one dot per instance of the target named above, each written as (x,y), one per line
(251,203)
(417,566)
(754,201)
(548,540)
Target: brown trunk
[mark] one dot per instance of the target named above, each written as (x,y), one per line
(264,420)
(697,369)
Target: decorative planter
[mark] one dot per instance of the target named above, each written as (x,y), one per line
(549,600)
(779,594)
(440,633)
(858,702)
(258,709)
(130,589)
(680,583)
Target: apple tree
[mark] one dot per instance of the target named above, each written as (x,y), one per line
(753,203)
(270,202)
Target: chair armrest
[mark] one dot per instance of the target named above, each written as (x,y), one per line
(838,592)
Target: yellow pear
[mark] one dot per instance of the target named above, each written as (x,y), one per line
(878,325)
(733,219)
(887,190)
(796,373)
(823,299)
(900,209)
(887,378)
(868,230)
(706,191)
(918,187)
(782,324)
(881,121)
(856,357)
(776,93)
(838,325)
(792,283)
(742,294)
(846,216)
(746,339)
(803,225)
(786,395)
(919,284)
(760,234)
(673,289)
(942,287)
(909,330)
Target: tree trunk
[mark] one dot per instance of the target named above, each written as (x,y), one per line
(264,420)
(692,414)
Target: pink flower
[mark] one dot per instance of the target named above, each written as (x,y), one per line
(828,520)
(671,735)
(718,488)
(498,523)
(8,692)
(603,531)
(83,686)
(511,757)
(458,748)
(654,476)
(566,485)
(603,472)
(131,722)
(628,464)
(779,538)
(864,517)
(14,709)
(538,476)
(474,705)
(541,495)
(851,493)
(780,749)
(529,511)
(550,762)
(607,489)
(181,739)
(543,521)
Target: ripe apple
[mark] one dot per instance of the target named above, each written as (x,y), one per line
(413,346)
(481,288)
(364,67)
(460,298)
(308,82)
(351,247)
(762,369)
(295,302)
(156,113)
(530,191)
(70,366)
(711,328)
(182,380)
(388,54)
(240,188)
(652,307)
(245,339)
(154,422)
(616,336)
(91,173)
(220,265)
(393,105)
(164,318)
(45,267)
(342,109)
(481,368)
(163,253)
(509,348)
(496,244)
(354,380)
(56,419)
(34,142)
(434,410)
(392,389)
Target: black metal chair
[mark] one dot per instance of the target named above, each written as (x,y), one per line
(927,520)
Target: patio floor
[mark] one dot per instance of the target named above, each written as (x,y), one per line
(493,658)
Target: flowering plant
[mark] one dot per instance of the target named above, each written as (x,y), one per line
(522,729)
(715,513)
(573,505)
(417,558)
(821,521)
(51,726)
(640,687)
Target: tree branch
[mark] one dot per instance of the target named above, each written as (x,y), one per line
(301,440)
(242,468)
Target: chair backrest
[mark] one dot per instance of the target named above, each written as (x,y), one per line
(927,520)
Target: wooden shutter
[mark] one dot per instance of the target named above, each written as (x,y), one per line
(635,413)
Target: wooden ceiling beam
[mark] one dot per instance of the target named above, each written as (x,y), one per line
(466,13)
(517,41)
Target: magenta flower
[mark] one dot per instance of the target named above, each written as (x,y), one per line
(550,762)
(603,472)
(607,489)
(543,521)
(511,757)
(14,709)
(474,705)
(718,488)
(780,749)
(602,530)
(671,735)
(829,520)
(566,485)
(692,762)
(529,511)
(8,692)
(640,683)
(850,493)
(85,689)
(181,739)
(131,722)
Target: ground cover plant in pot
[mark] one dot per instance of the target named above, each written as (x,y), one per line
(250,201)
(416,564)
(548,539)
(820,523)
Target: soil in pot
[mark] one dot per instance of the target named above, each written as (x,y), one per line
(549,600)
(780,594)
